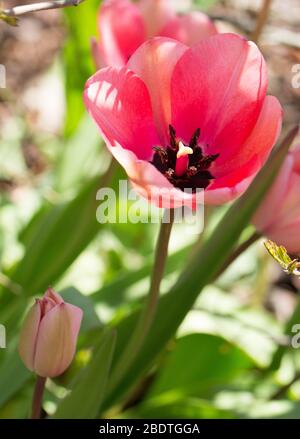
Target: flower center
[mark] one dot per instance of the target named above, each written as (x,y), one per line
(185,166)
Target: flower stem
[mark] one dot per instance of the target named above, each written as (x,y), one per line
(238,251)
(148,312)
(38,397)
(280,393)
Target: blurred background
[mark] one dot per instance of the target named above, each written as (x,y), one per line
(51,161)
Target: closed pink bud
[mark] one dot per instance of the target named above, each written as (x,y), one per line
(49,335)
(278,217)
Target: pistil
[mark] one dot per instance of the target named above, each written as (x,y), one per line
(182,159)
(185,166)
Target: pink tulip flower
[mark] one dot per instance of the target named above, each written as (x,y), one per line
(49,335)
(278,217)
(188,118)
(124,26)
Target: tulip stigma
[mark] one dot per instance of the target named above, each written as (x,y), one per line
(185,166)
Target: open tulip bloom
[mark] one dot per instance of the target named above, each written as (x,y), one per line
(181,120)
(49,335)
(124,26)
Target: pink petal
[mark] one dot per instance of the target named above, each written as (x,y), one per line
(121,29)
(119,102)
(51,294)
(219,86)
(266,214)
(225,189)
(28,336)
(156,14)
(190,28)
(288,236)
(56,342)
(259,143)
(235,175)
(296,155)
(154,63)
(290,208)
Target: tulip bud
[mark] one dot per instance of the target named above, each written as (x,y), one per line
(49,334)
(278,217)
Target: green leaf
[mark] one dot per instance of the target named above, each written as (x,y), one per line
(203,372)
(114,293)
(204,4)
(77,58)
(288,330)
(60,236)
(174,306)
(75,161)
(85,399)
(13,374)
(52,244)
(178,408)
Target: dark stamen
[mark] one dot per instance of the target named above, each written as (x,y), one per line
(197,174)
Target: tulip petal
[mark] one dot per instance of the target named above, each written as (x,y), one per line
(238,171)
(264,216)
(156,14)
(189,28)
(225,189)
(56,341)
(154,63)
(291,209)
(119,102)
(219,86)
(286,235)
(51,294)
(259,143)
(28,336)
(122,31)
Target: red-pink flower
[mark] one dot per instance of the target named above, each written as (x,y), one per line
(278,217)
(49,335)
(124,26)
(177,117)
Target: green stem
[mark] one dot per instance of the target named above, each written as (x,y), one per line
(148,312)
(280,393)
(38,397)
(238,251)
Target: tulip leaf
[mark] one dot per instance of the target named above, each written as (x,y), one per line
(77,59)
(13,373)
(288,331)
(85,399)
(206,263)
(59,236)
